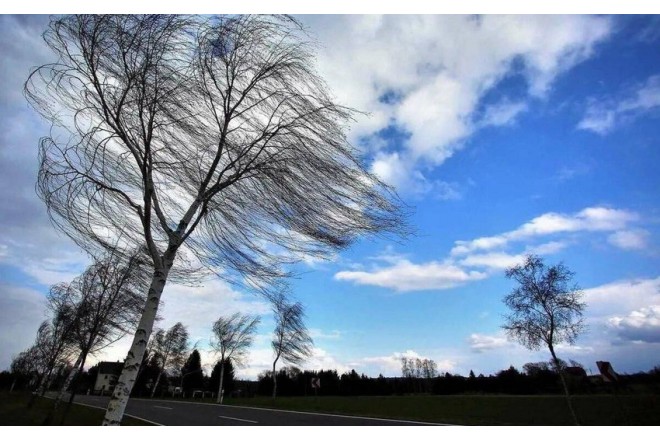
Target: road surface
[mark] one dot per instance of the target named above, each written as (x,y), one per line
(186,413)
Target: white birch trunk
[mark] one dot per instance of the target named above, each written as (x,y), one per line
(274,380)
(153,391)
(222,376)
(68,380)
(122,391)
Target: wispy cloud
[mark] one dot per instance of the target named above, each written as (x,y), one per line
(482,342)
(604,115)
(630,239)
(589,219)
(477,259)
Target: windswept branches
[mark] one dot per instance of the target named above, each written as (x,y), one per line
(213,132)
(545,309)
(232,336)
(209,141)
(170,348)
(291,340)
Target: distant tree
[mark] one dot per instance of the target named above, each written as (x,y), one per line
(291,340)
(545,309)
(407,367)
(192,374)
(170,347)
(25,367)
(232,336)
(211,135)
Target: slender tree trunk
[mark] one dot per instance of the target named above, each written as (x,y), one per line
(274,380)
(13,383)
(565,385)
(35,392)
(222,376)
(153,391)
(122,391)
(62,391)
(74,384)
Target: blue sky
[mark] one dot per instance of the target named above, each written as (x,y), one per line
(503,134)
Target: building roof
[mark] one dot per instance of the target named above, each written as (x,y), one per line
(110,367)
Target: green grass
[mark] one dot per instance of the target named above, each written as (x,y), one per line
(480,409)
(14,412)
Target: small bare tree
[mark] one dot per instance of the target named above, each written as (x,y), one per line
(291,340)
(232,336)
(206,138)
(47,351)
(170,348)
(25,366)
(545,309)
(105,303)
(55,341)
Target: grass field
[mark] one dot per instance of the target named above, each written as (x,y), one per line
(14,412)
(481,409)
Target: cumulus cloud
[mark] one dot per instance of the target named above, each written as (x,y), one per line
(622,297)
(604,115)
(407,276)
(390,365)
(411,74)
(640,325)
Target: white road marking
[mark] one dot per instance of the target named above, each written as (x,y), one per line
(238,419)
(163,407)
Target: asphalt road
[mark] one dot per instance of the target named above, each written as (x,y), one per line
(184,413)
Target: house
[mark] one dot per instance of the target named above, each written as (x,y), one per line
(107,376)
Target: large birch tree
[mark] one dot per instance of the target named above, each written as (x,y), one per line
(212,141)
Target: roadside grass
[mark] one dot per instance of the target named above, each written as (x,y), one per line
(14,412)
(601,410)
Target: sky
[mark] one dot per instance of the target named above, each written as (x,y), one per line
(503,135)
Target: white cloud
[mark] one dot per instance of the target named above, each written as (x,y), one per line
(487,253)
(629,239)
(390,365)
(407,276)
(198,307)
(621,297)
(502,114)
(588,219)
(319,334)
(426,74)
(481,342)
(603,115)
(498,261)
(641,325)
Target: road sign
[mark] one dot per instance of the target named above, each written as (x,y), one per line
(316,383)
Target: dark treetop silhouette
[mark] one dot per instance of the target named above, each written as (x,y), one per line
(209,141)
